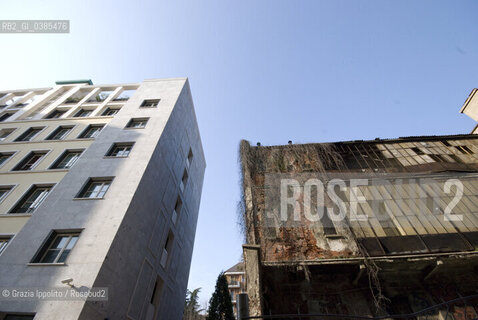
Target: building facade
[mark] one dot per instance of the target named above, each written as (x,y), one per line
(100,186)
(405,247)
(236,280)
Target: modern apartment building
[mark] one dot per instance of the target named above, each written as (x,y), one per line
(236,280)
(406,247)
(100,186)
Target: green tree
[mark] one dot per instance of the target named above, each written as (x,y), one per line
(191,308)
(220,305)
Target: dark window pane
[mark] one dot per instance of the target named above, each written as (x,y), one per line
(50,256)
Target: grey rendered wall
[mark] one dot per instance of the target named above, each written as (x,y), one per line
(133,261)
(99,219)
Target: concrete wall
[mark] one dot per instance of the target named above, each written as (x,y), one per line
(470,107)
(136,252)
(115,228)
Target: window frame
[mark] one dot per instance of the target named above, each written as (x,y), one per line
(150,103)
(60,159)
(8,189)
(133,120)
(26,159)
(81,110)
(55,112)
(178,207)
(21,138)
(184,180)
(157,293)
(2,119)
(167,250)
(4,242)
(57,130)
(89,127)
(110,109)
(10,155)
(26,196)
(9,130)
(89,183)
(189,158)
(115,145)
(47,246)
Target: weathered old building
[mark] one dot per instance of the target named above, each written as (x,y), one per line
(407,239)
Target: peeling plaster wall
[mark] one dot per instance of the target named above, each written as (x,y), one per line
(304,269)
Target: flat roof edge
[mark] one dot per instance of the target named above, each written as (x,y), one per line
(167,79)
(389,140)
(86,81)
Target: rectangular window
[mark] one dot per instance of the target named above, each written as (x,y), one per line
(55,114)
(32,199)
(3,243)
(4,156)
(120,150)
(18,317)
(60,133)
(83,113)
(92,131)
(57,248)
(110,111)
(177,209)
(30,161)
(4,133)
(190,158)
(67,159)
(151,103)
(95,188)
(184,180)
(155,296)
(5,116)
(168,245)
(4,190)
(137,123)
(29,135)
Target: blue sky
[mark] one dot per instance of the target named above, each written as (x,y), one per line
(263,70)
